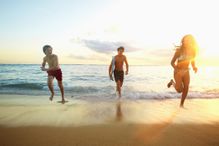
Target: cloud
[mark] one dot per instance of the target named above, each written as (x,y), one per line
(96,56)
(107,46)
(161,52)
(78,57)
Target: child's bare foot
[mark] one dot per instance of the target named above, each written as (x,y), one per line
(120,95)
(63,101)
(170,83)
(182,106)
(51,97)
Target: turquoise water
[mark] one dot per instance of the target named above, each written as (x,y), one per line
(92,81)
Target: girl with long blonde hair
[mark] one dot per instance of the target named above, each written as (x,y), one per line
(184,56)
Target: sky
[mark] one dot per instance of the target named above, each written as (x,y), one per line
(90,31)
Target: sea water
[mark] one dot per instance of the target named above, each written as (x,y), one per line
(92,82)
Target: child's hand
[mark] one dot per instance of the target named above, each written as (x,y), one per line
(126,73)
(195,69)
(111,77)
(43,69)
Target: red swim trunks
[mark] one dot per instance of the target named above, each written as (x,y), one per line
(56,73)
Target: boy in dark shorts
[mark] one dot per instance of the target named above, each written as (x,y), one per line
(118,71)
(54,71)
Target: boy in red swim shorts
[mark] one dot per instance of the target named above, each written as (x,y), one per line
(54,71)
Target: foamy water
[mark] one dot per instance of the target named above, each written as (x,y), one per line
(92,82)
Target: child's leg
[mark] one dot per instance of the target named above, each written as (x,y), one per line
(50,85)
(178,82)
(121,83)
(61,89)
(118,85)
(186,81)
(118,111)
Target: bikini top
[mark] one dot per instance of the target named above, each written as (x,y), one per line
(184,57)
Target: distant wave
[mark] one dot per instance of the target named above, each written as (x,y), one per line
(95,92)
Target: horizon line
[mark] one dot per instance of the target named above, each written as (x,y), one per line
(99,64)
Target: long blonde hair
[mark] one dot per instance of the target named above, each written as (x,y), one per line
(189,45)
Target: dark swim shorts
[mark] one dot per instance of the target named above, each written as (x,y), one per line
(119,75)
(56,73)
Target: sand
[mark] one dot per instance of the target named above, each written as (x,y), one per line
(34,121)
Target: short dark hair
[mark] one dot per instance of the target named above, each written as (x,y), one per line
(121,48)
(46,47)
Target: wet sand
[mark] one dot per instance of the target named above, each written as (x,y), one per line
(36,121)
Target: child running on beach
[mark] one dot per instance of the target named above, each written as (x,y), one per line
(180,62)
(54,71)
(118,62)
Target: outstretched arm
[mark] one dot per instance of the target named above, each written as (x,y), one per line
(127,66)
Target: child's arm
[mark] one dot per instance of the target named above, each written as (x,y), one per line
(174,59)
(110,71)
(194,66)
(43,65)
(110,68)
(44,62)
(127,66)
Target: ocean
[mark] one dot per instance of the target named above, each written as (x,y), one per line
(92,82)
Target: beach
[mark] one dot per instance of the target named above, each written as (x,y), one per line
(112,135)
(109,73)
(34,120)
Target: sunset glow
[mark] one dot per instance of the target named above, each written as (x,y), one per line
(89,32)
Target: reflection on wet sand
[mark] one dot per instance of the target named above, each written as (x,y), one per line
(119,115)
